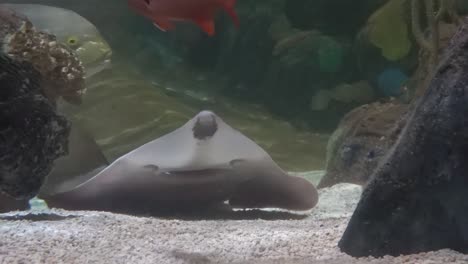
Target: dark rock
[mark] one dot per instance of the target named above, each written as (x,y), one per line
(32,134)
(361,141)
(8,204)
(417,200)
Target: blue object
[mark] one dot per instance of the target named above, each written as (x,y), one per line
(390,81)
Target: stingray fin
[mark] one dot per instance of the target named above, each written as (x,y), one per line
(48,190)
(274,189)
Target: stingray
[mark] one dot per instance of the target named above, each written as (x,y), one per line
(204,162)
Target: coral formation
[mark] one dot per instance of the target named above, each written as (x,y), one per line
(72,30)
(360,142)
(32,134)
(61,69)
(34,72)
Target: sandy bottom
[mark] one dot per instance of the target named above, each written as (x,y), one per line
(57,236)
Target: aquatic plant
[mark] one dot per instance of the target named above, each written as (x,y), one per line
(446,8)
(391,38)
(437,13)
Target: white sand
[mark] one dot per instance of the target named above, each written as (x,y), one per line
(97,237)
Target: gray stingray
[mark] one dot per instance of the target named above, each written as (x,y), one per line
(201,163)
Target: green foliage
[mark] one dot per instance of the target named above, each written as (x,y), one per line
(389,31)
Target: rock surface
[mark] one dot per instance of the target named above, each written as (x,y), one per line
(417,199)
(361,141)
(62,73)
(32,134)
(8,204)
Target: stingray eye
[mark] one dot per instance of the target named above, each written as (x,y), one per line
(147,2)
(236,162)
(72,41)
(151,167)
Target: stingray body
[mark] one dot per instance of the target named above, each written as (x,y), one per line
(204,162)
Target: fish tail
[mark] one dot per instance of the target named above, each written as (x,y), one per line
(229,6)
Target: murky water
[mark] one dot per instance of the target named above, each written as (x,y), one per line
(124,110)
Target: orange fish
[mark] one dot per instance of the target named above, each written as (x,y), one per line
(202,12)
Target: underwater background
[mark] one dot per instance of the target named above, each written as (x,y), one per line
(285,78)
(328,88)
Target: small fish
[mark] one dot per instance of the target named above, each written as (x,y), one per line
(202,12)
